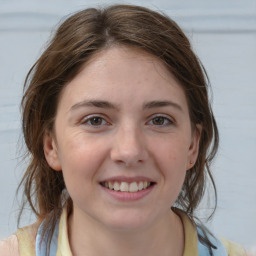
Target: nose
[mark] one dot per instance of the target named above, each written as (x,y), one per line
(129,147)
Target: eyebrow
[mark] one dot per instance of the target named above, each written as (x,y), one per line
(94,103)
(107,105)
(165,103)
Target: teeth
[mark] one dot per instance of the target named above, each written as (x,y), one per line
(141,185)
(116,186)
(109,185)
(126,187)
(133,187)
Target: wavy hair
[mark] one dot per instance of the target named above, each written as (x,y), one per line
(76,40)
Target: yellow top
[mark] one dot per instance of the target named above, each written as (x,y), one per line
(232,248)
(26,237)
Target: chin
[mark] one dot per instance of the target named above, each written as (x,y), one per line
(128,221)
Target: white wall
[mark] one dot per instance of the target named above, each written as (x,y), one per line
(224,36)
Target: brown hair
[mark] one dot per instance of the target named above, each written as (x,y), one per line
(76,40)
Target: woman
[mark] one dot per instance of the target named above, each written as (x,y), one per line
(118,126)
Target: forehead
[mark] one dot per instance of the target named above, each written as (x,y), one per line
(123,73)
(132,58)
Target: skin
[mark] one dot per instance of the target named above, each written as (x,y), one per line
(130,137)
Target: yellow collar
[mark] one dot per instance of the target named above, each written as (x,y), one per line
(63,243)
(191,242)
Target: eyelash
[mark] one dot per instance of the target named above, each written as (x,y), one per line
(166,121)
(89,119)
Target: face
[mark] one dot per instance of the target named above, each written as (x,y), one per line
(122,139)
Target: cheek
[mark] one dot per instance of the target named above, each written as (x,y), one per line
(81,163)
(81,157)
(173,153)
(171,158)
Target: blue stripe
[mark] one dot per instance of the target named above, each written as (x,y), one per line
(41,244)
(204,251)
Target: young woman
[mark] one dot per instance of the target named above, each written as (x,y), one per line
(118,126)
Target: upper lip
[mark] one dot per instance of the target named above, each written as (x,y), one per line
(127,179)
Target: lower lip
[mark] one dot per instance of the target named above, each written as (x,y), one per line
(128,196)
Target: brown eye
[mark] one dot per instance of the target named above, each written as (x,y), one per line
(161,121)
(158,120)
(95,121)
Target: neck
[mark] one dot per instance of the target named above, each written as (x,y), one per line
(87,237)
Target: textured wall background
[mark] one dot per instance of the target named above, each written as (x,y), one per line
(223,34)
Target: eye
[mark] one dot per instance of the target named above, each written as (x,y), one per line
(94,121)
(161,121)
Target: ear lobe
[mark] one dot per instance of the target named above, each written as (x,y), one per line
(51,152)
(194,146)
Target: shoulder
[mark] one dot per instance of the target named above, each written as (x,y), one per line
(221,246)
(28,232)
(20,243)
(232,248)
(9,246)
(27,239)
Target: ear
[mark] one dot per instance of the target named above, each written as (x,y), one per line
(51,152)
(194,146)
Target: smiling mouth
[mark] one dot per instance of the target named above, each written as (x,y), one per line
(123,186)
